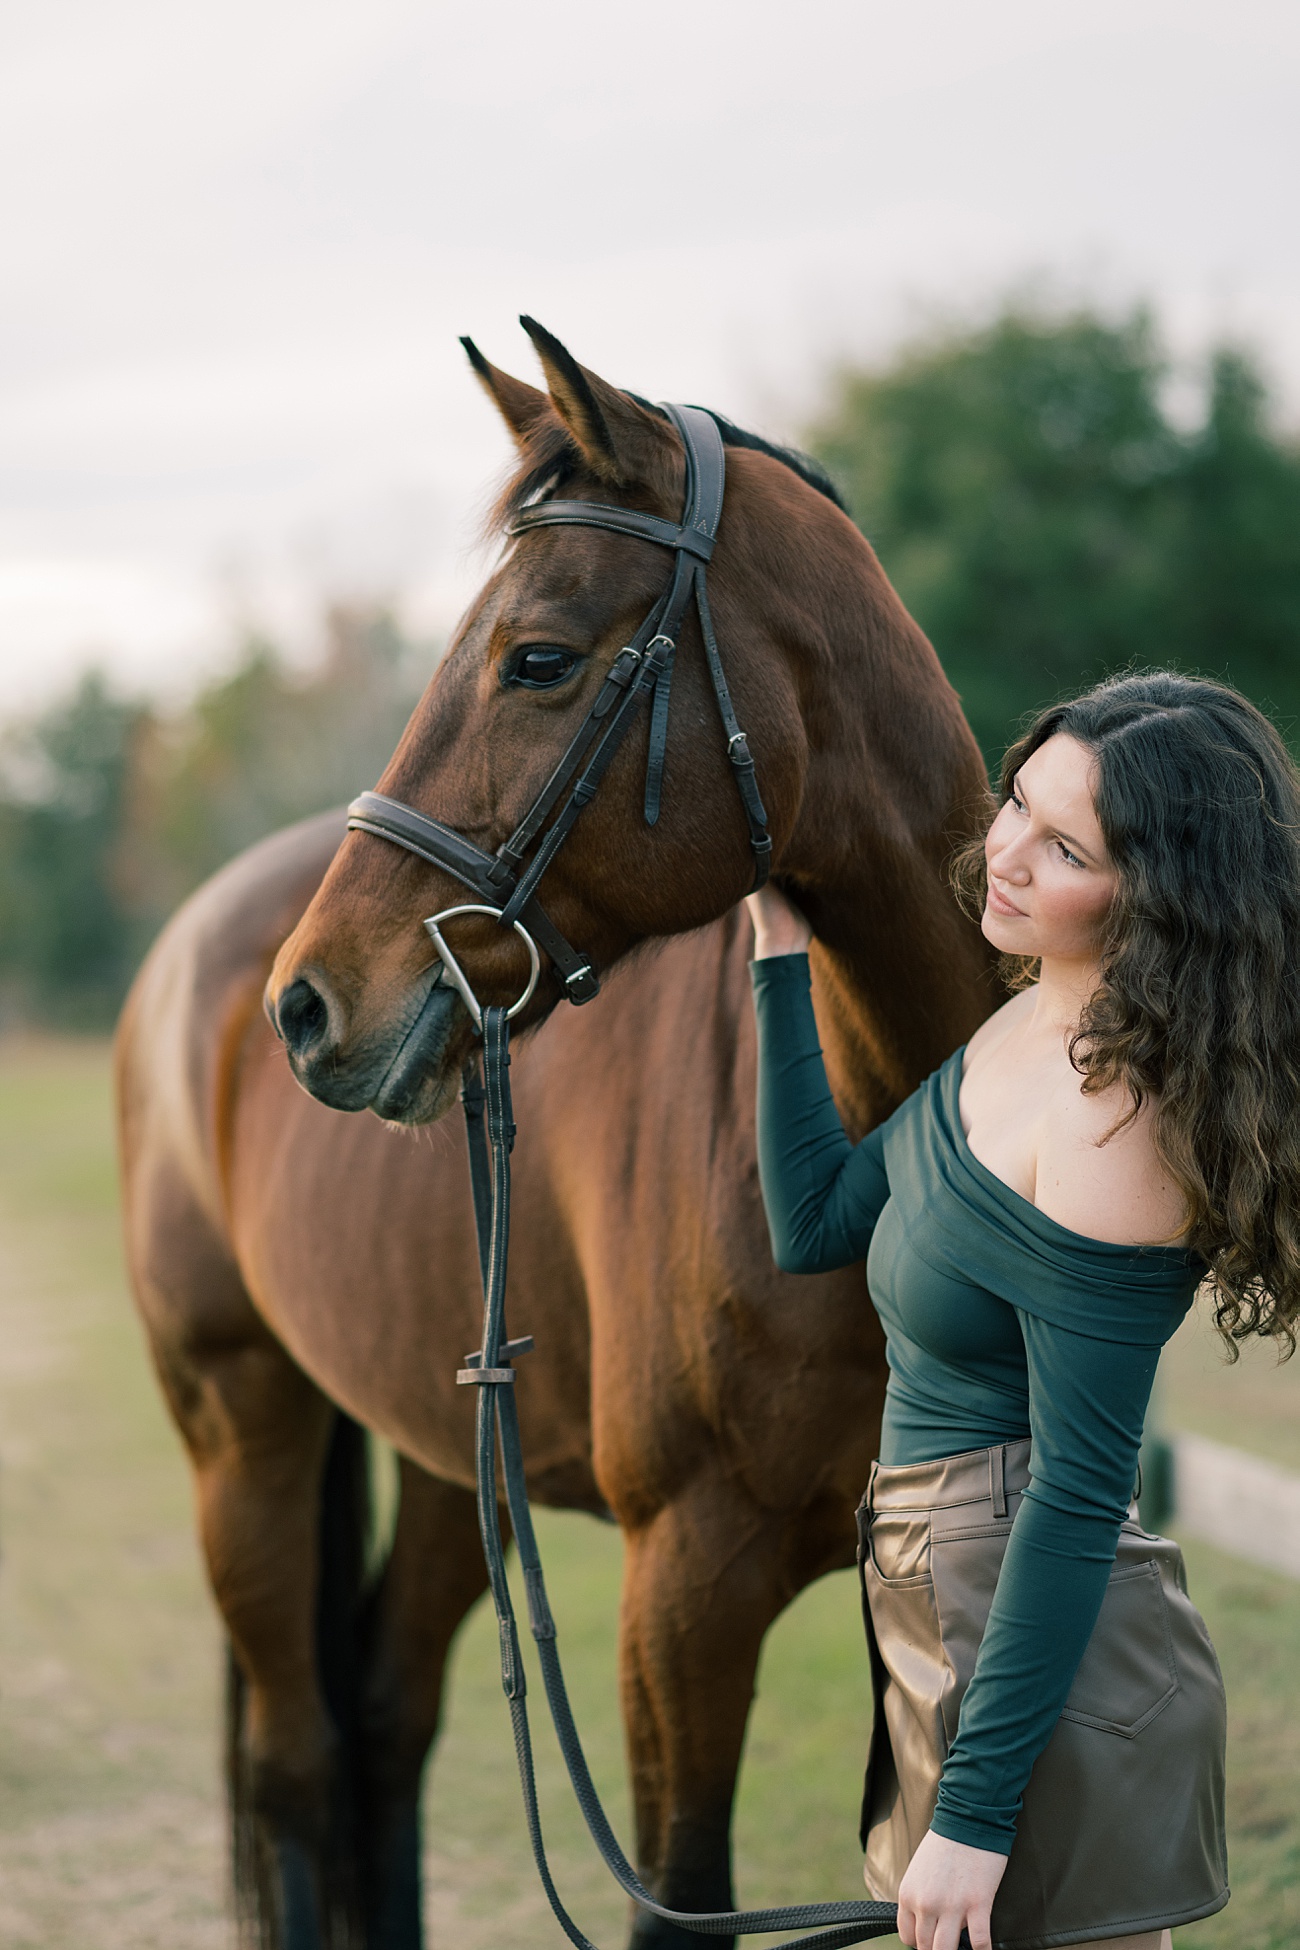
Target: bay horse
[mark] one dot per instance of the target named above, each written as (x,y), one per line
(304,1273)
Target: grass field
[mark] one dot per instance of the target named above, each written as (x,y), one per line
(110,1820)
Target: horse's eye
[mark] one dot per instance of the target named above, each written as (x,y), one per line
(540,666)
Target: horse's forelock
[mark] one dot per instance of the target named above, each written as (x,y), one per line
(552,459)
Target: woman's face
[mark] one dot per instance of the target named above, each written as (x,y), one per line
(1050,877)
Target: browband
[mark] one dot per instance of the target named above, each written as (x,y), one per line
(624,521)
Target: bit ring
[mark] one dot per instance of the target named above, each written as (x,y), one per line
(456,974)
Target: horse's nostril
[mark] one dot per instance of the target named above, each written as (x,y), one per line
(302,1018)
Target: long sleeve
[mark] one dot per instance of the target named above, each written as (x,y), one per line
(1087,1401)
(822,1194)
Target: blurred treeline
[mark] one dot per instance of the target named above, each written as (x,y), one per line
(1044,512)
(1047,519)
(112,811)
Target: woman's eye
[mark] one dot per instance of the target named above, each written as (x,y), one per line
(540,666)
(1016,802)
(1071,859)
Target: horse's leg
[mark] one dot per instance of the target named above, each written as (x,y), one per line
(258,1432)
(260,1515)
(434,1573)
(703,1581)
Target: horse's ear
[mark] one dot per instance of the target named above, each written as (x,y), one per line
(620,441)
(523,408)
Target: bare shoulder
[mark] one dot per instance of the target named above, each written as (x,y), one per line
(1100,1175)
(995,1029)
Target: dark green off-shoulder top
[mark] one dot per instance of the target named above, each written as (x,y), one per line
(999,1324)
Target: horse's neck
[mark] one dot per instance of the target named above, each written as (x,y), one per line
(895,782)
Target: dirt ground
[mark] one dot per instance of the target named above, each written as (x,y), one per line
(111,1830)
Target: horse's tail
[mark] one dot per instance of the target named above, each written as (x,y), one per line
(255,1869)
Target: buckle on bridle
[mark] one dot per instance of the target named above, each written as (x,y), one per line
(456,974)
(625,666)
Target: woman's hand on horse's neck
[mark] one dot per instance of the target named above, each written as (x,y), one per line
(779,927)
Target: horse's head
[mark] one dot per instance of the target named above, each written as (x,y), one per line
(356,991)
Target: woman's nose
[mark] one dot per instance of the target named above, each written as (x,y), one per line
(1008,864)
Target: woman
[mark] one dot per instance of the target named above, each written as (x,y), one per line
(1047,1759)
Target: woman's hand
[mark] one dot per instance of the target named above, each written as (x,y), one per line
(948,1887)
(779,927)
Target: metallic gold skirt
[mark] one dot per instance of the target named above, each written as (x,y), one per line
(1122,1827)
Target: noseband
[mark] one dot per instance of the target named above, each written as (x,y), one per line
(506,881)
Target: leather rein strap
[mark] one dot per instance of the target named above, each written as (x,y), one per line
(507,882)
(508,879)
(491,1370)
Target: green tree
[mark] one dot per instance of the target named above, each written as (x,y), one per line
(1046,522)
(68,939)
(111,814)
(1234,571)
(264,746)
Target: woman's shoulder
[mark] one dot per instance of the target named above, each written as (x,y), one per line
(995,1029)
(1084,1159)
(1099,1172)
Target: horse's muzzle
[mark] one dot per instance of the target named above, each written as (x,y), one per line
(402,1072)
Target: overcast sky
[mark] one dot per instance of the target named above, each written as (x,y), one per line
(240,239)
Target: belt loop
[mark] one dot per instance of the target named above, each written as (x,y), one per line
(998,1479)
(869,1500)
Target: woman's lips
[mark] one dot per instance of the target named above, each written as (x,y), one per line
(1001,905)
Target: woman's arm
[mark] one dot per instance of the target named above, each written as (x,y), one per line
(1087,1403)
(1088,1400)
(822,1195)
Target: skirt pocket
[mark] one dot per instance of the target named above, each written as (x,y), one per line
(1128,1673)
(898,1548)
(909,1677)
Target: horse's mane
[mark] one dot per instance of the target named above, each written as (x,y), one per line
(555,460)
(794,458)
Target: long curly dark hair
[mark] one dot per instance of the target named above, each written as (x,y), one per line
(1198,1008)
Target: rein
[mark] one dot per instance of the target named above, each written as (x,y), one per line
(507,883)
(832,1924)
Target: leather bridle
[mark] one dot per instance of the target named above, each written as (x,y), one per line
(506,882)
